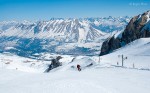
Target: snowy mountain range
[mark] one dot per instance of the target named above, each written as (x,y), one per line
(58,35)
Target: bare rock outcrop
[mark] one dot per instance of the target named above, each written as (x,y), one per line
(138,27)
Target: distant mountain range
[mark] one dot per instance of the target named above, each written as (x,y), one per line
(58,35)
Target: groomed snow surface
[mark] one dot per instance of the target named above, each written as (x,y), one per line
(104,80)
(24,75)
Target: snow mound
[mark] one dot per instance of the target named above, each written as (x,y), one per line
(84,62)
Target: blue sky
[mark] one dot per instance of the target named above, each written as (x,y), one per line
(46,9)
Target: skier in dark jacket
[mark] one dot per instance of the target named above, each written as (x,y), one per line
(78,67)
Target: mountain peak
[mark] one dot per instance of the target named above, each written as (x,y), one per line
(138,27)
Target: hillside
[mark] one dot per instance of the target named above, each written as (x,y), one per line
(105,76)
(138,27)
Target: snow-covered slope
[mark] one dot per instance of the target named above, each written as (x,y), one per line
(103,77)
(137,47)
(137,53)
(105,80)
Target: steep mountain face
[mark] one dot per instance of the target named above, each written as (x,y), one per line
(58,35)
(138,27)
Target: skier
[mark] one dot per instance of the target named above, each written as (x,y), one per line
(78,67)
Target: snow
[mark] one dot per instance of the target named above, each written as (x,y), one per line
(137,53)
(148,16)
(62,34)
(106,80)
(8,61)
(8,48)
(137,47)
(82,35)
(58,27)
(118,34)
(25,75)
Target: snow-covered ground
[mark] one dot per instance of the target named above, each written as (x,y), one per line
(25,75)
(102,80)
(137,53)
